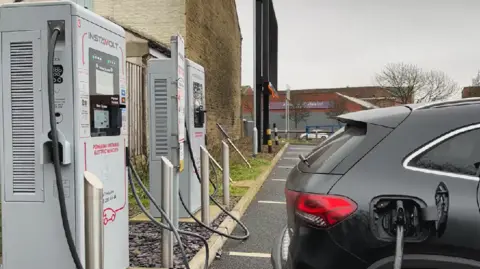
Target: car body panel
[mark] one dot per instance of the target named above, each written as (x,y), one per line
(380,171)
(388,116)
(382,164)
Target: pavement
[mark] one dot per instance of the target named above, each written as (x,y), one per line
(265,218)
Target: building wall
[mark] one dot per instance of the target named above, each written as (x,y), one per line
(473,91)
(159,19)
(213,40)
(316,118)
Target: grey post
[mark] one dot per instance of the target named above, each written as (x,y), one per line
(167,207)
(226,174)
(254,84)
(94,247)
(255,141)
(205,185)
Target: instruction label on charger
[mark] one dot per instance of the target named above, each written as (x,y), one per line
(84,117)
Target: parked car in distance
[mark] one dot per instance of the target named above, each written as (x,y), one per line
(346,199)
(315,134)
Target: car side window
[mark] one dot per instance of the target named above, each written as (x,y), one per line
(458,154)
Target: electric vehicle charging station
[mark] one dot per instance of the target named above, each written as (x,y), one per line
(195,122)
(87,82)
(166,86)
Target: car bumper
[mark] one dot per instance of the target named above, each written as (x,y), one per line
(315,249)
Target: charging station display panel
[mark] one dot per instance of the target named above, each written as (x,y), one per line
(105,111)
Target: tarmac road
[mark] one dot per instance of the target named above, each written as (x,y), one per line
(265,218)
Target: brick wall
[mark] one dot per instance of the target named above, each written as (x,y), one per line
(472,91)
(214,41)
(159,19)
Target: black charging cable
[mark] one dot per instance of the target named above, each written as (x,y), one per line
(400,222)
(234,237)
(56,149)
(170,227)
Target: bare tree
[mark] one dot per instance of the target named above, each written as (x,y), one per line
(298,109)
(401,81)
(339,107)
(437,86)
(409,83)
(476,80)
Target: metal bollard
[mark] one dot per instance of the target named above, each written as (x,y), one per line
(93,199)
(205,185)
(255,141)
(269,140)
(226,174)
(275,133)
(167,207)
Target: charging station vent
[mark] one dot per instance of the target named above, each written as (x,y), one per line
(160,89)
(22,116)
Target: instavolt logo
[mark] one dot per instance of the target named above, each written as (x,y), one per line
(102,40)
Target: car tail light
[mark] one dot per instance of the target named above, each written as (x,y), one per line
(322,211)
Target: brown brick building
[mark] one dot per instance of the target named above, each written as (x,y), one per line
(321,104)
(471,91)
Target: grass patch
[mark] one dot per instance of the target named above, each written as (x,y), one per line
(239,171)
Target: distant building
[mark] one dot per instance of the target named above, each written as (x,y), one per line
(471,91)
(320,104)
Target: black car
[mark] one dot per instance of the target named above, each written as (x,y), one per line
(405,175)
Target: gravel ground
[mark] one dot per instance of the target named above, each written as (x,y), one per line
(145,242)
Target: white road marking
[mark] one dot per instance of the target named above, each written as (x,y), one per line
(300,149)
(285,167)
(249,254)
(279,179)
(272,202)
(291,158)
(297,152)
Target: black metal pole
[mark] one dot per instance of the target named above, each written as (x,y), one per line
(274,48)
(258,69)
(266,68)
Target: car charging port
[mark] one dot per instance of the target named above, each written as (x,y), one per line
(386,217)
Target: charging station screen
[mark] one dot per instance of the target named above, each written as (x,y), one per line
(105,82)
(102,119)
(104,89)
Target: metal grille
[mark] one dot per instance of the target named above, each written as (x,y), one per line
(23,117)
(161,117)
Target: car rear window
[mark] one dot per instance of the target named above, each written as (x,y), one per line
(343,149)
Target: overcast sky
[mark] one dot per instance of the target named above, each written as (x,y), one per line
(338,43)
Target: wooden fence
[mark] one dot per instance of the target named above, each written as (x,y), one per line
(137,123)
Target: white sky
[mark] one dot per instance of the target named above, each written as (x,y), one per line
(338,43)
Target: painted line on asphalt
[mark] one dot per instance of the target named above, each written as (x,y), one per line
(285,167)
(297,152)
(300,149)
(291,158)
(249,254)
(272,202)
(279,179)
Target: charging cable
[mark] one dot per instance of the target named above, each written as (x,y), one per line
(170,226)
(56,149)
(400,222)
(234,237)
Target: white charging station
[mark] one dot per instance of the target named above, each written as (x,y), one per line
(195,119)
(166,91)
(90,96)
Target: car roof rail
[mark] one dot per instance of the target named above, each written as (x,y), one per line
(464,101)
